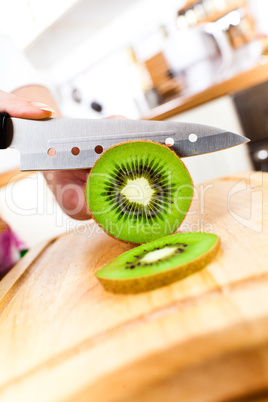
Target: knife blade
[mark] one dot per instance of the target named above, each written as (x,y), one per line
(63,143)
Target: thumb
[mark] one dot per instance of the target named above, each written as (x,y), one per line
(23,108)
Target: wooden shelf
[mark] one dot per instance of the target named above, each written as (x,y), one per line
(189,4)
(218,14)
(237,83)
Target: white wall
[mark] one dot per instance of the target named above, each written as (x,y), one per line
(74,51)
(102,33)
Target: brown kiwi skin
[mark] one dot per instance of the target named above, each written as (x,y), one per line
(164,278)
(122,143)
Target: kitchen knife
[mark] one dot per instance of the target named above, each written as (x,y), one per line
(62,143)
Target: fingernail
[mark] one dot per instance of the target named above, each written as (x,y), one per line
(43,106)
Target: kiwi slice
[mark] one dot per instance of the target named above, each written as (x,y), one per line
(159,262)
(139,191)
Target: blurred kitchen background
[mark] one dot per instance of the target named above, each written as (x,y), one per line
(204,61)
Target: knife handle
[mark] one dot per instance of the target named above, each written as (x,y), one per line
(4,141)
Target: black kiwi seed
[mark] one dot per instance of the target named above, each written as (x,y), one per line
(156,177)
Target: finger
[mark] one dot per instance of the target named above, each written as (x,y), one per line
(23,108)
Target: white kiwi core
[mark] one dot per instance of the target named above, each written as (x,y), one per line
(156,255)
(138,190)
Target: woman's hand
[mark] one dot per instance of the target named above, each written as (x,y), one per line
(23,108)
(68,186)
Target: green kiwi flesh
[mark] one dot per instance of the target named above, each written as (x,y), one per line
(159,262)
(139,191)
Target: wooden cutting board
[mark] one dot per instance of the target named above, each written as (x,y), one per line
(63,338)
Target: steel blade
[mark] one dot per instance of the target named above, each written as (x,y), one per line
(34,139)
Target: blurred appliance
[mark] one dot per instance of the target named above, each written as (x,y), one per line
(252,108)
(202,55)
(205,55)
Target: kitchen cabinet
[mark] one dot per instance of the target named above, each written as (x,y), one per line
(251,106)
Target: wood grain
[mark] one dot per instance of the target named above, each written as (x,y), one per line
(240,82)
(63,338)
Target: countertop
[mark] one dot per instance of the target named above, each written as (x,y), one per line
(63,338)
(237,83)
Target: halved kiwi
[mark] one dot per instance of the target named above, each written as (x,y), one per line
(139,191)
(159,262)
